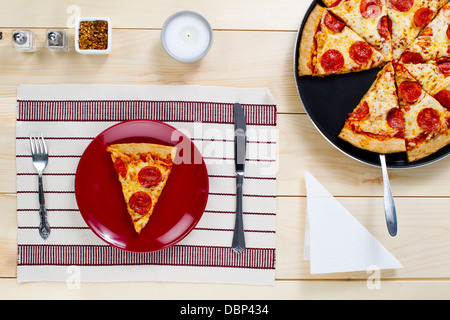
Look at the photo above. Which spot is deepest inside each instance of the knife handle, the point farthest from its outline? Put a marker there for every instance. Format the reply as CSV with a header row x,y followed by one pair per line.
x,y
238,243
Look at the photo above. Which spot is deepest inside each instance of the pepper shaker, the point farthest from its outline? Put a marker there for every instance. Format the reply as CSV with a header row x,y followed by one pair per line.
x,y
24,40
57,40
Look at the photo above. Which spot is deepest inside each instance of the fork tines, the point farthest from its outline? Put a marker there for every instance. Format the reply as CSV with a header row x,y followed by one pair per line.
x,y
37,144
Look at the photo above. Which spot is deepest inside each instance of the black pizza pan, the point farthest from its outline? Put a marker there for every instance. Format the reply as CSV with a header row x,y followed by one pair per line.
x,y
328,101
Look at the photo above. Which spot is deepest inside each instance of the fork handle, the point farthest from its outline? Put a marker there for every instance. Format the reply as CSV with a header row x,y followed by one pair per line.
x,y
44,227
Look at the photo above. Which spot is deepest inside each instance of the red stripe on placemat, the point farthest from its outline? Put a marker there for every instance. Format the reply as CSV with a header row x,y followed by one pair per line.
x,y
97,255
120,110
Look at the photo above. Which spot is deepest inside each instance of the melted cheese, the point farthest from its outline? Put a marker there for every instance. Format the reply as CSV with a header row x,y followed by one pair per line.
x,y
432,42
381,97
349,12
411,112
342,41
429,76
404,29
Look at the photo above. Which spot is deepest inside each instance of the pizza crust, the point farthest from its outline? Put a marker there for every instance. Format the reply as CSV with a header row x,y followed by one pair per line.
x,y
368,143
135,148
428,147
307,45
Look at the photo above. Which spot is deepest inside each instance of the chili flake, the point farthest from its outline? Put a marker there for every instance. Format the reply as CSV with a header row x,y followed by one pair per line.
x,y
93,35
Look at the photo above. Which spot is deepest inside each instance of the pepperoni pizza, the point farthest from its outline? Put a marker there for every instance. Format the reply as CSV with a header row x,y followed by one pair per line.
x,y
407,107
329,46
143,170
376,124
433,42
368,18
427,122
408,18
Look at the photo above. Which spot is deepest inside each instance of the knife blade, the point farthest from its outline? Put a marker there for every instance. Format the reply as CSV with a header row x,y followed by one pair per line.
x,y
240,148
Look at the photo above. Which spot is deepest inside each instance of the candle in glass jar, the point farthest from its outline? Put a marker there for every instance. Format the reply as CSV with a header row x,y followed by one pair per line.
x,y
186,36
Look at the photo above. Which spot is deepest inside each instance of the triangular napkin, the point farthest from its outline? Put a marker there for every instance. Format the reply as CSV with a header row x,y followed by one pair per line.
x,y
334,240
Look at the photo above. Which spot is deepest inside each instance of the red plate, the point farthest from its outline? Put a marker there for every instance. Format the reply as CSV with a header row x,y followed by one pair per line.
x,y
99,192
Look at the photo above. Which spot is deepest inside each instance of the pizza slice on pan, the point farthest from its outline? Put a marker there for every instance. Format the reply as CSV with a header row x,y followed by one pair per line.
x,y
433,42
329,46
368,18
434,77
377,124
143,170
408,18
427,122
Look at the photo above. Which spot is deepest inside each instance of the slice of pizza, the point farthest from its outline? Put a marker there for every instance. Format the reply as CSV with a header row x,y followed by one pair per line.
x,y
427,122
434,77
433,42
368,18
329,46
377,124
143,170
408,18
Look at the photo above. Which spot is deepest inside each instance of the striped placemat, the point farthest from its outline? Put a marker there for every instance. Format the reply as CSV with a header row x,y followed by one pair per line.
x,y
71,116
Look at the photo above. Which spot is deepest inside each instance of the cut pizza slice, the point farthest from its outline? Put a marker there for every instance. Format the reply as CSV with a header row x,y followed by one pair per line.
x,y
328,46
377,124
433,42
408,18
434,77
368,18
427,122
143,170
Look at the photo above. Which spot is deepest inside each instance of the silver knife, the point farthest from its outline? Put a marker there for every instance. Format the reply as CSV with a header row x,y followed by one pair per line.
x,y
240,141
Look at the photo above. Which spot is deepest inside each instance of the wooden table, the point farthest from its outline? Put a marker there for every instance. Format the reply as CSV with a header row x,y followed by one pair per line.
x,y
253,47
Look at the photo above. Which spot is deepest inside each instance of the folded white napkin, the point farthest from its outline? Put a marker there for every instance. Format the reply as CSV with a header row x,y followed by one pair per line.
x,y
334,240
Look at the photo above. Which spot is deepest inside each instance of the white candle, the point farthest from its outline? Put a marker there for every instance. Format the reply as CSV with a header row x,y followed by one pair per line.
x,y
186,36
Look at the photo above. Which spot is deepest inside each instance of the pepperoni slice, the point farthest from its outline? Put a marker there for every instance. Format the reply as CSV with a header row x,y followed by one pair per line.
x,y
120,167
384,27
361,112
370,8
410,91
395,118
428,119
360,52
444,66
444,98
149,176
448,31
411,57
332,61
402,5
141,202
333,23
423,16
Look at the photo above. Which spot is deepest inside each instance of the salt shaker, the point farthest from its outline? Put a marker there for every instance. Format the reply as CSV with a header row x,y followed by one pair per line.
x,y
24,40
57,40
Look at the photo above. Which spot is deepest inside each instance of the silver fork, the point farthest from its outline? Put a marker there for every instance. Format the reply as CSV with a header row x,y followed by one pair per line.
x,y
39,154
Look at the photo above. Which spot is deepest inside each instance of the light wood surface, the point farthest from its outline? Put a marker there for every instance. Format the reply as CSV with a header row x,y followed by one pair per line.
x,y
253,47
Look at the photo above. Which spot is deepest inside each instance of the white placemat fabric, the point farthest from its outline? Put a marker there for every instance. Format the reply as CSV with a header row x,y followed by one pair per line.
x,y
70,116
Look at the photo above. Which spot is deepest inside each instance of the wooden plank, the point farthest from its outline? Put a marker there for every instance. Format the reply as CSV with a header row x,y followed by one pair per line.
x,y
301,148
236,59
8,235
282,290
232,14
422,244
